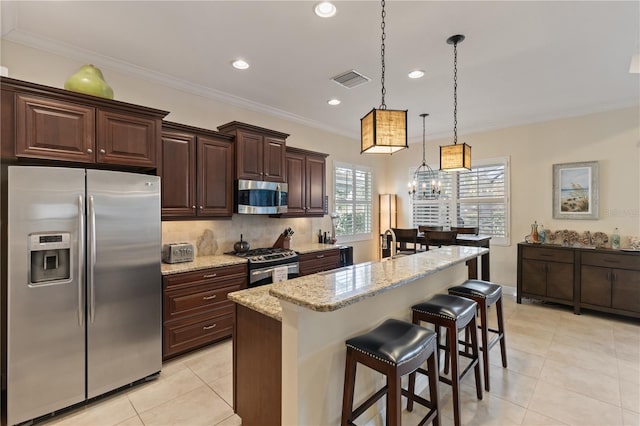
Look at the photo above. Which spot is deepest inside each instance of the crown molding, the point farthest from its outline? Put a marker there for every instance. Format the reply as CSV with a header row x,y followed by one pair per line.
x,y
86,56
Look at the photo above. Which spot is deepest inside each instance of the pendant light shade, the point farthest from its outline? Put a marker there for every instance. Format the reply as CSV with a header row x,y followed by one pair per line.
x,y
456,157
382,130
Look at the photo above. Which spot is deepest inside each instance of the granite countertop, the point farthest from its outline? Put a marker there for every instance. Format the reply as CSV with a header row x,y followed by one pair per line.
x,y
201,262
333,290
258,299
313,247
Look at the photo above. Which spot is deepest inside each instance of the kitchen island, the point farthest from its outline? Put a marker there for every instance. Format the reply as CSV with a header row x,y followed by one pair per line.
x,y
295,331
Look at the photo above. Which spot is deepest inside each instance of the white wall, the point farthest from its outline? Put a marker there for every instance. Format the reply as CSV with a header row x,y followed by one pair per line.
x,y
612,138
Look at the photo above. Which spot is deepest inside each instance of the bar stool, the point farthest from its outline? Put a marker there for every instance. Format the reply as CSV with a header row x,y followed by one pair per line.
x,y
454,314
394,348
485,294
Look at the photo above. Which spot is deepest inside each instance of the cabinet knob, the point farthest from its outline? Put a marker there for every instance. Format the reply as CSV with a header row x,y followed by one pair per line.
x,y
89,150
266,174
193,207
200,207
102,151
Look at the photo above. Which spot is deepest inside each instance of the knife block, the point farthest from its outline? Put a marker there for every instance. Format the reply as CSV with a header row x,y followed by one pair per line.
x,y
282,242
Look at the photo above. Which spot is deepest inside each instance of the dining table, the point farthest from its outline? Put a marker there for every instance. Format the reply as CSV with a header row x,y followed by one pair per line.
x,y
472,265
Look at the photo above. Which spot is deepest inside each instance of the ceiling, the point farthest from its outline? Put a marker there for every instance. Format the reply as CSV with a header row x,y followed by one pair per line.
x,y
521,62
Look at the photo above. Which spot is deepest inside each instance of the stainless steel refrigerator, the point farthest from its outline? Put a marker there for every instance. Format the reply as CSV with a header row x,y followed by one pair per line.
x,y
84,293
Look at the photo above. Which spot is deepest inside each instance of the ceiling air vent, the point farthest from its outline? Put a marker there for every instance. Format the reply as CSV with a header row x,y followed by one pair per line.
x,y
351,79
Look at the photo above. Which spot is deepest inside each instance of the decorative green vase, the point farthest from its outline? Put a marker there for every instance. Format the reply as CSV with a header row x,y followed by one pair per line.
x,y
89,80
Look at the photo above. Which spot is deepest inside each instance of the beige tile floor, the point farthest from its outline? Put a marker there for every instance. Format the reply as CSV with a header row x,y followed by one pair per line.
x,y
564,369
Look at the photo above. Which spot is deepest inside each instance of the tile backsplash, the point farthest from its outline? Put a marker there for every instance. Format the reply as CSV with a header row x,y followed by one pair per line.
x,y
218,236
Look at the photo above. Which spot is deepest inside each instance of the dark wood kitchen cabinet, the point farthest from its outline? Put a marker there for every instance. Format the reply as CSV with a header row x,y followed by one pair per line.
x,y
260,152
196,171
196,311
318,261
306,179
610,282
54,124
547,273
599,279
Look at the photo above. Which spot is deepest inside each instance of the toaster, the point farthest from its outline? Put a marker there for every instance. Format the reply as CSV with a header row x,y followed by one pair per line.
x,y
177,252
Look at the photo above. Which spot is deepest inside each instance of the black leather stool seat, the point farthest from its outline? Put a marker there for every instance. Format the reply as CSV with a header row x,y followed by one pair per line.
x,y
478,288
393,341
448,307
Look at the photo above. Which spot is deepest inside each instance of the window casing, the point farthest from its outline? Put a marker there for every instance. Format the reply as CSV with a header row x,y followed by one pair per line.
x,y
353,195
479,197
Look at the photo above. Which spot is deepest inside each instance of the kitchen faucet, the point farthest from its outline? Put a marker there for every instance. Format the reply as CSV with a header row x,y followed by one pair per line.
x,y
393,248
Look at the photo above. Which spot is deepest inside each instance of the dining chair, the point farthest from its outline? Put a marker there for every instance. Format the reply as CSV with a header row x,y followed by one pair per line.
x,y
423,228
405,236
440,238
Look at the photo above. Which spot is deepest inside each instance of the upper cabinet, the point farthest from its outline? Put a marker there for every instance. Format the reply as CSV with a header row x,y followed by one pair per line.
x,y
197,172
54,124
306,179
260,152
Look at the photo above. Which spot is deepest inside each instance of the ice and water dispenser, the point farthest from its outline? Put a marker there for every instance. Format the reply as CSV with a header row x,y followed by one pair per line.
x,y
50,258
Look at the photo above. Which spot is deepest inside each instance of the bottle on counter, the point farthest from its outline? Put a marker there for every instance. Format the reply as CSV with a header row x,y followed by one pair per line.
x,y
542,234
320,236
615,239
535,237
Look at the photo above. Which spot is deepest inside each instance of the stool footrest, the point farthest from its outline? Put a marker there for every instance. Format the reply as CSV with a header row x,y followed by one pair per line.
x,y
369,402
433,411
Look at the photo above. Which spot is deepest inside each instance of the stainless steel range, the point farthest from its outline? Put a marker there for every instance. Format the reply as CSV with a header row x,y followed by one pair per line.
x,y
263,262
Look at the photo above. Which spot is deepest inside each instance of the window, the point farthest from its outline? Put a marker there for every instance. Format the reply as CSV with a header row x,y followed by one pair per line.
x,y
352,193
479,197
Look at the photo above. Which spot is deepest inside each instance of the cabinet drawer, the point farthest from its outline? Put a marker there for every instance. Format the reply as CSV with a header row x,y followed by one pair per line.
x,y
185,335
310,263
545,253
194,300
612,260
222,275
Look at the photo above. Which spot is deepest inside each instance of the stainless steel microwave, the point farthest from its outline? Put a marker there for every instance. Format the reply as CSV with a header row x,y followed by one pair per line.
x,y
259,197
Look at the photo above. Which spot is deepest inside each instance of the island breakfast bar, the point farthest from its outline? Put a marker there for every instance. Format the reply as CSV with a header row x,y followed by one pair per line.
x,y
295,331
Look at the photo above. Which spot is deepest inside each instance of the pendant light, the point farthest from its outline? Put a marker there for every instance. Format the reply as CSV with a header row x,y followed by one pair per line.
x,y
455,157
424,176
382,130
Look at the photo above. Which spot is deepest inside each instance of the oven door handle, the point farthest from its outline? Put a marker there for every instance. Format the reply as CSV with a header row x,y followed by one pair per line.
x,y
266,271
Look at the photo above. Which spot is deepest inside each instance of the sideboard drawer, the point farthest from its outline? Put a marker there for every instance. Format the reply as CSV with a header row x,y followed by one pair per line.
x,y
548,253
612,260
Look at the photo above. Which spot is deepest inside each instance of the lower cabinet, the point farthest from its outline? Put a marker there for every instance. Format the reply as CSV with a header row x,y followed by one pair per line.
x,y
546,273
599,279
196,311
610,282
318,261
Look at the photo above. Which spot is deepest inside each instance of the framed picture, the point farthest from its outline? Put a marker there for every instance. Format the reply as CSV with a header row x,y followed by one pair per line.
x,y
575,190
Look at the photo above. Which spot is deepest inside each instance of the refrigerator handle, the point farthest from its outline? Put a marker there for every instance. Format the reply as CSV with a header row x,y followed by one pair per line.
x,y
92,258
81,240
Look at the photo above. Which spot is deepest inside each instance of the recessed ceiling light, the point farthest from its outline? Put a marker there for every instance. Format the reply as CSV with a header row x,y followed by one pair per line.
x,y
325,9
333,102
416,74
240,64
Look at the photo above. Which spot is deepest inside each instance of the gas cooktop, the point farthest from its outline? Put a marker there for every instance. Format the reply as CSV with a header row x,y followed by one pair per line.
x,y
267,255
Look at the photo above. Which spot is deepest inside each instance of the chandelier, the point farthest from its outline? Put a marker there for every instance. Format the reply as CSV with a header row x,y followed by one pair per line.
x,y
455,157
382,130
424,185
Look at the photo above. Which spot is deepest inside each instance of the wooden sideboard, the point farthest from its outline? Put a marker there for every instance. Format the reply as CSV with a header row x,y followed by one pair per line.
x,y
600,279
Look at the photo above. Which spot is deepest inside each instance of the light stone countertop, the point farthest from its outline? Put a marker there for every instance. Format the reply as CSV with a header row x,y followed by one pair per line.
x,y
333,290
258,299
201,262
303,248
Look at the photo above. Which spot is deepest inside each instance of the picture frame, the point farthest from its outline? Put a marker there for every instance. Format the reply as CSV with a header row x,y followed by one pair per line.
x,y
575,190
